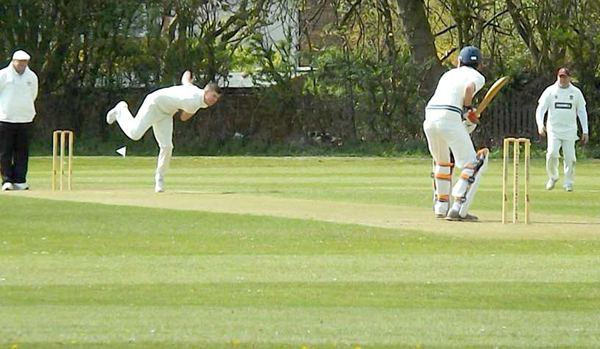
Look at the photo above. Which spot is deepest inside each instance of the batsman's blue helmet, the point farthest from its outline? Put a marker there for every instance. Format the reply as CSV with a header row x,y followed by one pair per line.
x,y
470,55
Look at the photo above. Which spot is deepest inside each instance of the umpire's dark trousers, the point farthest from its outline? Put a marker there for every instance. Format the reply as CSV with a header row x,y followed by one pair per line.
x,y
14,151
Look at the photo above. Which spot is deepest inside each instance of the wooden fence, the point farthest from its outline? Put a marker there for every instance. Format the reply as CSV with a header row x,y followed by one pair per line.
x,y
509,115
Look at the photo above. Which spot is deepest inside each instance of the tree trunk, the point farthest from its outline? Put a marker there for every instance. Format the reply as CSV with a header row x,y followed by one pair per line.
x,y
421,42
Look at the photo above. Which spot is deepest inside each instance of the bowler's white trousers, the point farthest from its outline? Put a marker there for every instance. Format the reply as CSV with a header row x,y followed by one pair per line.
x,y
569,159
149,115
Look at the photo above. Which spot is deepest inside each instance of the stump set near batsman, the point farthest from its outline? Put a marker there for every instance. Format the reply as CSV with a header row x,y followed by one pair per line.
x,y
516,145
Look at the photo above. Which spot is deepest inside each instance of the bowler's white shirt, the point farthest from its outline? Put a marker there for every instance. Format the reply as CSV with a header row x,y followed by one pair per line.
x,y
450,90
563,106
17,94
188,98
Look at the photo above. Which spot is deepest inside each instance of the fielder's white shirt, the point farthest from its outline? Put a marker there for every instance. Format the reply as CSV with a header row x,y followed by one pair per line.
x,y
563,105
450,91
169,100
17,94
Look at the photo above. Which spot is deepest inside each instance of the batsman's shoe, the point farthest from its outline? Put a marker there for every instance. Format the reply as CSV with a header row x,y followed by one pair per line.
x,y
440,216
551,183
7,186
453,215
568,188
20,186
111,116
160,183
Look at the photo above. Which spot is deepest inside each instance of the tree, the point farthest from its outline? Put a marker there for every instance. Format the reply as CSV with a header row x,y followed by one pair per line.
x,y
421,42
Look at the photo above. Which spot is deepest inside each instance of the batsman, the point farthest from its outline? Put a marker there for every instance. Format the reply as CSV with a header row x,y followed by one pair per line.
x,y
449,120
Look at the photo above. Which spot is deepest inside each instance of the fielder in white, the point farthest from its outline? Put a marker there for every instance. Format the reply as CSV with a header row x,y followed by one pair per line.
x,y
564,103
157,111
449,119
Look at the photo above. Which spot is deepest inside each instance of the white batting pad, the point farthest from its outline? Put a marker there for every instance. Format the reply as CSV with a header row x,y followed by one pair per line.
x,y
442,181
465,189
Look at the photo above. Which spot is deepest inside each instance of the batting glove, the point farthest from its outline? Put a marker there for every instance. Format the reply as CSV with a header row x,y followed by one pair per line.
x,y
469,125
470,114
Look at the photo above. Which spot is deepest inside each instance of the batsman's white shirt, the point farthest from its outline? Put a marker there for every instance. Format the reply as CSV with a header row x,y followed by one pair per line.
x,y
443,117
564,105
450,91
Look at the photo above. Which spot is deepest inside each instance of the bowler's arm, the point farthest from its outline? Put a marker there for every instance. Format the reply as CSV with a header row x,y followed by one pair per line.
x,y
187,79
185,116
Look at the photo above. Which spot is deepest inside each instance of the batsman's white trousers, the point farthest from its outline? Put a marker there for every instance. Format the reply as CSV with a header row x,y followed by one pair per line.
x,y
445,131
569,159
162,125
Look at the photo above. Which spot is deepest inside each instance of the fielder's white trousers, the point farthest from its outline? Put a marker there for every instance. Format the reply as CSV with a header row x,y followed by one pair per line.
x,y
569,159
162,125
445,132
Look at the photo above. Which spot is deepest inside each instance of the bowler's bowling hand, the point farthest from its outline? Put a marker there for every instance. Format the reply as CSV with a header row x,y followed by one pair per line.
x,y
187,78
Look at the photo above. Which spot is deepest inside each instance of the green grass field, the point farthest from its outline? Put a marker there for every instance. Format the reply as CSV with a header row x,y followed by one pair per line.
x,y
246,252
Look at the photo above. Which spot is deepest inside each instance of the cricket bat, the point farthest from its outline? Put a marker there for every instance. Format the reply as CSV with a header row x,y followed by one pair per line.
x,y
491,93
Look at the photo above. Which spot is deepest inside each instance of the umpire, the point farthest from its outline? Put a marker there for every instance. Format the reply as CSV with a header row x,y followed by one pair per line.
x,y
18,91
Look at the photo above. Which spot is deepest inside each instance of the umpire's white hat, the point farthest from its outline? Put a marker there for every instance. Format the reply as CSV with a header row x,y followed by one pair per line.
x,y
21,55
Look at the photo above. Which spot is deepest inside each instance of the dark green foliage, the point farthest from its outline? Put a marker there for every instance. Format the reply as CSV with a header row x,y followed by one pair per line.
x,y
367,81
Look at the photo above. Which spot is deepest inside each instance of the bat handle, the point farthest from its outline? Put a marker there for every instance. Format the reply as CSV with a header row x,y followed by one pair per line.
x,y
473,116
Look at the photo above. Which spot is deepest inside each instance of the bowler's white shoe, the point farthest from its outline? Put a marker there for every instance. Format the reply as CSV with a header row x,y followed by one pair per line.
x,y
20,186
7,186
568,188
551,183
111,116
160,183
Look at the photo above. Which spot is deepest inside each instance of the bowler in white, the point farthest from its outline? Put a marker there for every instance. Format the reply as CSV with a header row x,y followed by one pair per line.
x,y
157,111
564,104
